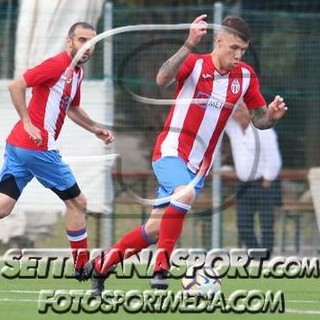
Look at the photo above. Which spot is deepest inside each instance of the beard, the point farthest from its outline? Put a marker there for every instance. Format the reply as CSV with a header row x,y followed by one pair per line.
x,y
84,58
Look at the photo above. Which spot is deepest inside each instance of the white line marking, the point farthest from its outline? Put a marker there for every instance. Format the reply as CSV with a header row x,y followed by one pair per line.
x,y
20,300
304,301
302,311
20,291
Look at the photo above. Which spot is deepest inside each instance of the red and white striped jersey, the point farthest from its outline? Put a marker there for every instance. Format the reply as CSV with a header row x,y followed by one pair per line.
x,y
193,129
53,92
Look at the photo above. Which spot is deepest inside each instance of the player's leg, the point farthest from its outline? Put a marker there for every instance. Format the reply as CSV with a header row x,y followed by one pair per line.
x,y
169,233
129,244
13,178
7,202
171,227
142,236
75,217
53,173
173,176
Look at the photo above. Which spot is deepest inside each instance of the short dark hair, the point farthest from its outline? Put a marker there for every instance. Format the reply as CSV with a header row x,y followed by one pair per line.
x,y
237,26
82,24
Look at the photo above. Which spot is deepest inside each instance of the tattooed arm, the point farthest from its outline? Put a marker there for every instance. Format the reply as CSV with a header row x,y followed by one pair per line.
x,y
260,118
266,117
169,69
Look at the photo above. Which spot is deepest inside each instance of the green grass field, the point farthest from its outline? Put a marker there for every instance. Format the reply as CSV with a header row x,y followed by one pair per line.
x,y
19,298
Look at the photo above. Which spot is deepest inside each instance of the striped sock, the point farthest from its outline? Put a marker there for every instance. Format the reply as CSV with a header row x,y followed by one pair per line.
x,y
170,230
79,245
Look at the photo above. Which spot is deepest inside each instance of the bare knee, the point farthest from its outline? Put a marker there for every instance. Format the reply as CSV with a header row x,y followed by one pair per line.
x,y
6,205
185,194
4,213
82,202
77,205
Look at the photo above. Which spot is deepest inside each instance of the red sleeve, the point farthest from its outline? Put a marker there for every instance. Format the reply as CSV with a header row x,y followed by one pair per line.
x,y
186,67
45,73
253,97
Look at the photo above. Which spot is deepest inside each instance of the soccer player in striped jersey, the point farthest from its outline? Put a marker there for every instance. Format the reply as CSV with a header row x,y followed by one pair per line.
x,y
209,88
31,149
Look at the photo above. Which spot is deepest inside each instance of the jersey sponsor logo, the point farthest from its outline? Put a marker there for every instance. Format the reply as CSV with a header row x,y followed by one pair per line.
x,y
235,86
215,103
201,99
65,102
209,101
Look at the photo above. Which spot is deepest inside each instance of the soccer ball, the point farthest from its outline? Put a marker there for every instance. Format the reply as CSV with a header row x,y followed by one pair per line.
x,y
203,282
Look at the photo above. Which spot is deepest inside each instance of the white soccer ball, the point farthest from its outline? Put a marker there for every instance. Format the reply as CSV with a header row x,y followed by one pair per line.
x,y
203,282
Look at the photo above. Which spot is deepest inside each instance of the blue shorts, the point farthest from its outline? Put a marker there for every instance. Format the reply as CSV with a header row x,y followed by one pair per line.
x,y
172,172
47,166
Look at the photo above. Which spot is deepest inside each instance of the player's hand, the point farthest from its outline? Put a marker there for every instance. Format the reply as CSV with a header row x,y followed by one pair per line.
x,y
33,132
105,135
197,30
277,109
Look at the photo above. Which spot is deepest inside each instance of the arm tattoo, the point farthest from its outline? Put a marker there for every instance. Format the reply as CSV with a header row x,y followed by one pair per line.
x,y
170,68
261,119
